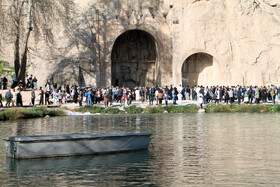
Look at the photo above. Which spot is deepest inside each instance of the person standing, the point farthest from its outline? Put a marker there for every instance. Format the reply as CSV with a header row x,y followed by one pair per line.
x,y
180,96
20,84
187,93
47,98
137,95
30,80
75,96
156,95
200,98
106,98
239,95
166,96
34,82
180,89
41,94
59,96
174,96
8,97
151,97
231,96
272,93
88,95
123,100
257,96
250,94
217,95
15,82
19,99
54,96
110,97
160,97
142,94
47,88
0,83
119,93
81,95
129,97
1,104
14,98
33,97
226,95
147,93
221,93
246,97
99,95
5,82
263,94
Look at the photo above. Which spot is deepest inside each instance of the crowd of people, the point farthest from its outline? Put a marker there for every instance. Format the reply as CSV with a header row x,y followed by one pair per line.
x,y
31,82
159,95
13,96
52,94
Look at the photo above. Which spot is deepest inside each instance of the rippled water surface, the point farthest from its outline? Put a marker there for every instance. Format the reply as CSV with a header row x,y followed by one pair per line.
x,y
185,150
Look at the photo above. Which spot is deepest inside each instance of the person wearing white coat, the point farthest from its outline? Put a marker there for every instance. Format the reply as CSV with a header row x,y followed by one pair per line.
x,y
180,96
217,96
200,99
54,96
137,95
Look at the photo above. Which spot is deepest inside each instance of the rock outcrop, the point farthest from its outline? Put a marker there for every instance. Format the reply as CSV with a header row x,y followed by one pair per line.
x,y
241,40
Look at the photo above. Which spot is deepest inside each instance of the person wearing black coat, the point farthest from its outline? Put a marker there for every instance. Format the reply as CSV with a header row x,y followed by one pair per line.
x,y
239,95
263,95
1,104
33,97
19,99
5,82
41,96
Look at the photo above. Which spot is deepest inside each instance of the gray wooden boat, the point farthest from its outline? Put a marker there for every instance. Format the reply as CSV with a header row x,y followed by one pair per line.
x,y
21,147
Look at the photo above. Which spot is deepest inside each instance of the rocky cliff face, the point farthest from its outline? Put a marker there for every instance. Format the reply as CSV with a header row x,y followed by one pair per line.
x,y
207,42
242,37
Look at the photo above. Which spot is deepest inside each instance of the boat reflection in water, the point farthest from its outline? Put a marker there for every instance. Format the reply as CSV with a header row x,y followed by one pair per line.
x,y
77,162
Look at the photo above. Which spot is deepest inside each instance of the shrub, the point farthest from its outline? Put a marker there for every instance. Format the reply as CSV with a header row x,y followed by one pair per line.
x,y
239,108
20,113
153,110
133,110
92,109
274,108
182,109
113,111
6,70
258,108
99,109
217,108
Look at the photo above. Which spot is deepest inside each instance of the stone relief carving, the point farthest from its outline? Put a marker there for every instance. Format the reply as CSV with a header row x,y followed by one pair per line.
x,y
132,56
134,47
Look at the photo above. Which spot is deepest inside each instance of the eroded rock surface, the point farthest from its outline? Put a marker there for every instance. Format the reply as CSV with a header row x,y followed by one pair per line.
x,y
242,39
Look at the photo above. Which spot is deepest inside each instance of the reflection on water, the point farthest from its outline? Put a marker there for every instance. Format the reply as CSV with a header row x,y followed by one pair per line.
x,y
185,150
76,162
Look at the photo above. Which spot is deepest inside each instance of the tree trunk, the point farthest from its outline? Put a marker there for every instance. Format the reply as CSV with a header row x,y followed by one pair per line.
x,y
16,53
16,19
22,69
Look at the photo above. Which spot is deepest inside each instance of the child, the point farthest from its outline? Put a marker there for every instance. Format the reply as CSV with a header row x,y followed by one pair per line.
x,y
124,100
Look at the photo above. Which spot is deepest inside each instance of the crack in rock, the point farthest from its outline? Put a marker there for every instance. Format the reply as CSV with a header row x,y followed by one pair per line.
x,y
256,61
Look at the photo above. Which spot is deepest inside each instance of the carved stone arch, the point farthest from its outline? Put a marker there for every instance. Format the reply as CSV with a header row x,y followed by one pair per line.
x,y
200,68
135,59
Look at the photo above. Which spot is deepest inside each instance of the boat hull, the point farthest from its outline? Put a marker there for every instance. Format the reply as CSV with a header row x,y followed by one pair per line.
x,y
70,145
